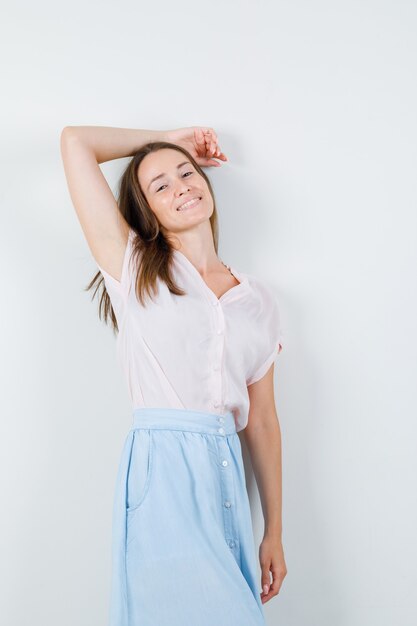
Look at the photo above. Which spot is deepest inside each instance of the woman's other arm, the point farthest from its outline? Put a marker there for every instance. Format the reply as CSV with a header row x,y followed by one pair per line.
x,y
262,436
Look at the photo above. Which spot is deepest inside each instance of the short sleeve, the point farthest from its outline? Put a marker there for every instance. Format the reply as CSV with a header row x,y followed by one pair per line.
x,y
271,337
120,288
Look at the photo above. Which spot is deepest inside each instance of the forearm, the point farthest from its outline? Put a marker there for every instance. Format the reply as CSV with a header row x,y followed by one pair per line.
x,y
264,446
108,143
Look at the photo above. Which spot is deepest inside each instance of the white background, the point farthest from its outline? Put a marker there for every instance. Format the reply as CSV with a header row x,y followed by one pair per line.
x,y
315,105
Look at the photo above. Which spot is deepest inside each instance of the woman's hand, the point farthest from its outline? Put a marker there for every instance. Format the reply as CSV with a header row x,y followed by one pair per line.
x,y
200,141
271,557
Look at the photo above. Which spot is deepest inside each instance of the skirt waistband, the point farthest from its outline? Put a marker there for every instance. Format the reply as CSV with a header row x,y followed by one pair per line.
x,y
184,419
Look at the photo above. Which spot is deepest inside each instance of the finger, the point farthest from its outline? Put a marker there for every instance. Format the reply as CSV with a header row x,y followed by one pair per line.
x,y
208,140
215,148
220,155
274,586
267,596
212,133
211,141
265,578
207,162
200,141
210,145
199,136
278,574
215,145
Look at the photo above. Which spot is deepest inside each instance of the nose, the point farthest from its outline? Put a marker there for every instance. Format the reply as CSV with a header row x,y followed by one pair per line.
x,y
182,187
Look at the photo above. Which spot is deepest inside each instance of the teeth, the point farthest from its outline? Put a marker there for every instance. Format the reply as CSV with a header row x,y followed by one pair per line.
x,y
189,203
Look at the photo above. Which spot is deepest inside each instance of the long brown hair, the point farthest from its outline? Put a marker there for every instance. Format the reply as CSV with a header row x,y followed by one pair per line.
x,y
151,249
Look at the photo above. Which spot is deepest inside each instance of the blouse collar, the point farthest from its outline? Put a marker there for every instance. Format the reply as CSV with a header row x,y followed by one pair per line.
x,y
240,276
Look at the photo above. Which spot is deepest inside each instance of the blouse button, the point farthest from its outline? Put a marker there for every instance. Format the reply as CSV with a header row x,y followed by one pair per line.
x,y
219,331
216,367
215,303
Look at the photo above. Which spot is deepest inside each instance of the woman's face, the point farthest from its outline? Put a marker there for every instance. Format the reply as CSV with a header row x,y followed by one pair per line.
x,y
168,181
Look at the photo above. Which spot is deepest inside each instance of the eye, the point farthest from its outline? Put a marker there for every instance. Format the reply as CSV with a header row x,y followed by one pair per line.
x,y
185,174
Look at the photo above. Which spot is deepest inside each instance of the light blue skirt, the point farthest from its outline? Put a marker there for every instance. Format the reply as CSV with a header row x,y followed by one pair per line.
x,y
183,550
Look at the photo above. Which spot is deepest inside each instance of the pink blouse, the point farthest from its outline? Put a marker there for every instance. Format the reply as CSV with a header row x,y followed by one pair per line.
x,y
195,351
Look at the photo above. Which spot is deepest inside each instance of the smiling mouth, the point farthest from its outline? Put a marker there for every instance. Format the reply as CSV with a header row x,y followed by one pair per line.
x,y
190,204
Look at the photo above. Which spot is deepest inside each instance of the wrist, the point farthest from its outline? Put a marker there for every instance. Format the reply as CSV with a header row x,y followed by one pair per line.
x,y
160,135
273,530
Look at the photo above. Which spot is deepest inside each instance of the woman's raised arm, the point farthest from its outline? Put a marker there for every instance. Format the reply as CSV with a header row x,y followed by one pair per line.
x,y
82,149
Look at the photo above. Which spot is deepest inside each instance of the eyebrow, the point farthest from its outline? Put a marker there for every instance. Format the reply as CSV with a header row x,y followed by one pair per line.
x,y
160,175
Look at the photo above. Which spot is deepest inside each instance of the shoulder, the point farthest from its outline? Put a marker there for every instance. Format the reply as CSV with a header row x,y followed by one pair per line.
x,y
264,302
261,288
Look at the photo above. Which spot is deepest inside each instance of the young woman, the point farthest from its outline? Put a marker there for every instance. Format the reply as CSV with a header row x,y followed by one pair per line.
x,y
197,340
